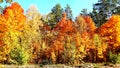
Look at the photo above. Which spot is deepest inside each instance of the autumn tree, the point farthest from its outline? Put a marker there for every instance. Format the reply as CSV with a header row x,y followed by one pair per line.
x,y
12,39
69,52
32,34
100,50
4,49
110,31
65,24
85,24
62,29
80,24
83,38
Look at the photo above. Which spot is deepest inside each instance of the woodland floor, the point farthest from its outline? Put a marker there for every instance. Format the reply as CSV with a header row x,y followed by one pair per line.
x,y
86,65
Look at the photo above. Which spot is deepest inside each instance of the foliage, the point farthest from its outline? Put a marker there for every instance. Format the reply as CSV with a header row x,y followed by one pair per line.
x,y
110,30
19,55
4,49
84,12
65,25
116,10
103,10
6,3
4,53
55,15
114,58
81,25
32,33
69,51
85,32
98,43
85,24
68,12
11,39
58,42
55,38
80,48
90,24
101,47
57,11
13,15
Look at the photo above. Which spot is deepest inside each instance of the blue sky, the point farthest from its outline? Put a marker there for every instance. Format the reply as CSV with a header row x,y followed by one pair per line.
x,y
45,6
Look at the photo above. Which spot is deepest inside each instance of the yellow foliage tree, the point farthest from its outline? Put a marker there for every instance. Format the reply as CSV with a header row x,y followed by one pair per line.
x,y
12,24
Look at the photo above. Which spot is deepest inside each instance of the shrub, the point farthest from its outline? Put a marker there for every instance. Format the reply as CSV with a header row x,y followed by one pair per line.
x,y
114,58
19,55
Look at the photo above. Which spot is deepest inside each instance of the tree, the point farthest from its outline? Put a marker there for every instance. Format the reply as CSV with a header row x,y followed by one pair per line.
x,y
7,1
103,10
84,12
32,34
81,25
65,25
62,30
57,11
116,10
85,24
68,12
15,20
69,51
95,17
54,16
111,31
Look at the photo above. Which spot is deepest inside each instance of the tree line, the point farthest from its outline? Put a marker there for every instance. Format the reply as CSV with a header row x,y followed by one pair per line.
x,y
56,38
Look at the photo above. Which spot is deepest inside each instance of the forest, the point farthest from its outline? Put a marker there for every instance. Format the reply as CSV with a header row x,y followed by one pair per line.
x,y
28,37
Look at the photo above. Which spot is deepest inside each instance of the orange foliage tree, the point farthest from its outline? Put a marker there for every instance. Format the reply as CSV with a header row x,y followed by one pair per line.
x,y
65,25
62,29
110,31
85,24
14,16
90,24
12,24
88,42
